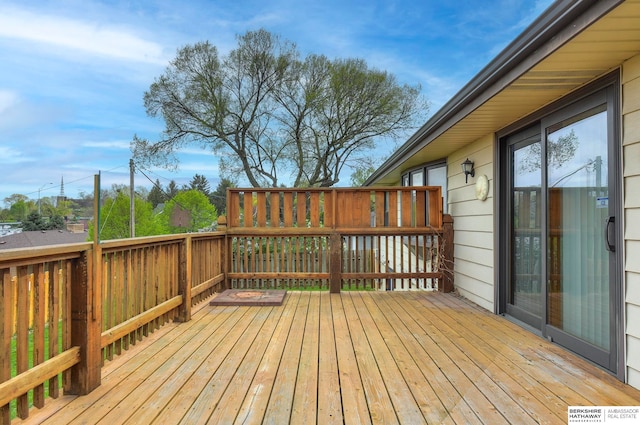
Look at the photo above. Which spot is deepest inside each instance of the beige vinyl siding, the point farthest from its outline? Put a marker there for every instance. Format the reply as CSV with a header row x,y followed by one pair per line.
x,y
633,337
473,224
631,173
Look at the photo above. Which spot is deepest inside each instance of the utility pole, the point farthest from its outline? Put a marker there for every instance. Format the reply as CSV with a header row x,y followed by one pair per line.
x,y
132,210
598,169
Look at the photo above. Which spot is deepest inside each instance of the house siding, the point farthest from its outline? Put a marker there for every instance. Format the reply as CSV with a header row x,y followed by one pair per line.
x,y
631,183
473,224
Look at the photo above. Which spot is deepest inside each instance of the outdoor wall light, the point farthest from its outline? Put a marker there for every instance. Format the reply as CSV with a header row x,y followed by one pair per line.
x,y
467,169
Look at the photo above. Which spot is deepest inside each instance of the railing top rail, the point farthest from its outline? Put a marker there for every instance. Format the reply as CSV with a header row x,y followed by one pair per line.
x,y
326,231
35,254
333,189
154,240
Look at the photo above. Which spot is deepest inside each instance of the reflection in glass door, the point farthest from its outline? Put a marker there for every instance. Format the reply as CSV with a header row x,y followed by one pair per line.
x,y
525,283
578,197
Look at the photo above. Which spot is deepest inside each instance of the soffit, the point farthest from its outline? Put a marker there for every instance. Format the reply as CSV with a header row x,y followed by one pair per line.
x,y
601,47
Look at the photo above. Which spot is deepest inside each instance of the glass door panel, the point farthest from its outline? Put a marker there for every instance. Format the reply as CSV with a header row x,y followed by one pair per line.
x,y
525,292
578,199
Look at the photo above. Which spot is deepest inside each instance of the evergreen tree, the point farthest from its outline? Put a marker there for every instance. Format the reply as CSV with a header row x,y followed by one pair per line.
x,y
200,183
156,195
219,197
56,222
34,221
172,190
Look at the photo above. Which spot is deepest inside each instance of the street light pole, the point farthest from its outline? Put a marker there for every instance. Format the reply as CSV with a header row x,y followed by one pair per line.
x,y
132,200
39,203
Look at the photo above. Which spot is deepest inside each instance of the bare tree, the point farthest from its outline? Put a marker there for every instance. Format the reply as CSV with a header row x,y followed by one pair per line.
x,y
558,152
270,115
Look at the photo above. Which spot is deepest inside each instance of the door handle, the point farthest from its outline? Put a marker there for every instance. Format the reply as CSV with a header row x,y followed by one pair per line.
x,y
610,234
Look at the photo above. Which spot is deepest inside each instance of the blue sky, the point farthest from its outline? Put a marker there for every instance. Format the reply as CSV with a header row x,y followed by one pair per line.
x,y
73,72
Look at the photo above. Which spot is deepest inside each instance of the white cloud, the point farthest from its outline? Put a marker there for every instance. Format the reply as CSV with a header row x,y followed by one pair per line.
x,y
8,155
266,19
19,115
90,37
7,100
113,144
199,167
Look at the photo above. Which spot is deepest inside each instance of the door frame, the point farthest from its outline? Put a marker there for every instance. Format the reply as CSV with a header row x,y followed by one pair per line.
x,y
611,83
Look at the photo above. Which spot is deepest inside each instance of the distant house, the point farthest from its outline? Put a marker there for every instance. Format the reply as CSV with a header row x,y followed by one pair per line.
x,y
547,228
40,238
10,228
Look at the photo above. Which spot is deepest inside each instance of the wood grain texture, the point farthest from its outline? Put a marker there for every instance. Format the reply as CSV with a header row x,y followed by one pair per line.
x,y
350,358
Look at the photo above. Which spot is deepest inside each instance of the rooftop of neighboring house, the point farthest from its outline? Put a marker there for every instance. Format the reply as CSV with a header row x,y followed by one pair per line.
x,y
41,237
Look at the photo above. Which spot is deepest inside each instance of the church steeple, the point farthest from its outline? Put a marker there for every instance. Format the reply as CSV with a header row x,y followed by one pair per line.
x,y
61,198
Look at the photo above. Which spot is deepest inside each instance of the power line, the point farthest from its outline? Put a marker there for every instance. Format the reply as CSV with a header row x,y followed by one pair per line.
x,y
169,198
54,186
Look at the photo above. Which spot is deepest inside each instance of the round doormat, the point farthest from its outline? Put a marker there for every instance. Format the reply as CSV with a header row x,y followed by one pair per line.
x,y
256,297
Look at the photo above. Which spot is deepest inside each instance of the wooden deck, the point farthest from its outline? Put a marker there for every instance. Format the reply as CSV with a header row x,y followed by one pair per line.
x,y
354,357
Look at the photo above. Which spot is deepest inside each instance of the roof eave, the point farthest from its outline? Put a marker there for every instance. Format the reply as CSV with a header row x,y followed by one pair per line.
x,y
554,19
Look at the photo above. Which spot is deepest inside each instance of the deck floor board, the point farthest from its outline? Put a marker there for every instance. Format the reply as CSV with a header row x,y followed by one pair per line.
x,y
329,400
350,358
173,373
256,400
220,368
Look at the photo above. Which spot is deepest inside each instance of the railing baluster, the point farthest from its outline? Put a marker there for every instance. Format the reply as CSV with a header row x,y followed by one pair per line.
x,y
55,275
414,211
38,313
6,334
22,334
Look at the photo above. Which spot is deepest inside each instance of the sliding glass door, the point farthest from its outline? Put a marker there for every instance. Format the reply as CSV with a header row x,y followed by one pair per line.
x,y
578,272
560,233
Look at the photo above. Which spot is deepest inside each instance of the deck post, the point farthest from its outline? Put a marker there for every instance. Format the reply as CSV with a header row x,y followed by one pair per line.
x,y
227,254
335,263
446,244
86,322
184,284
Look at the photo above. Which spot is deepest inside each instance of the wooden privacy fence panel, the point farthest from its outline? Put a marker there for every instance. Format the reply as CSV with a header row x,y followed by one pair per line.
x,y
415,206
346,238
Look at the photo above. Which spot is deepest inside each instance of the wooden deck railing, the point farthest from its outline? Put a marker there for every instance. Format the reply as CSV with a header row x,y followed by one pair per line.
x,y
146,280
36,334
67,308
337,239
